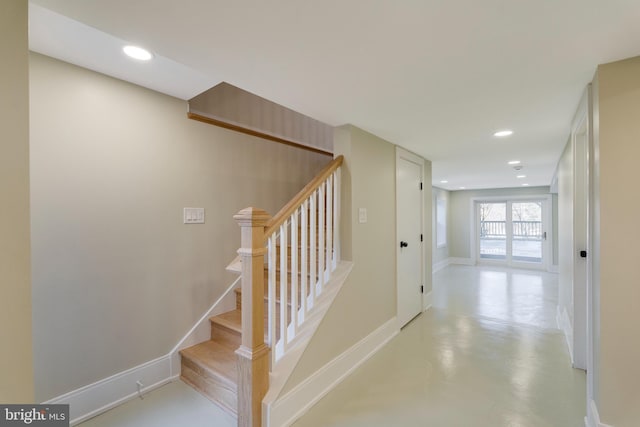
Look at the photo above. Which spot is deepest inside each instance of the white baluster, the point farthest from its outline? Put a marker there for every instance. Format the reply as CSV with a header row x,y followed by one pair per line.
x,y
329,230
294,274
336,218
321,255
284,242
271,297
304,247
313,212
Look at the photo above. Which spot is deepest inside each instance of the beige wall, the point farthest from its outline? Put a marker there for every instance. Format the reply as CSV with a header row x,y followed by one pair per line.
x,y
440,254
16,370
368,297
460,203
565,230
617,136
118,279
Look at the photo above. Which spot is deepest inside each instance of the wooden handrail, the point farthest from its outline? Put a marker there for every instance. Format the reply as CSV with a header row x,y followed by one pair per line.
x,y
293,204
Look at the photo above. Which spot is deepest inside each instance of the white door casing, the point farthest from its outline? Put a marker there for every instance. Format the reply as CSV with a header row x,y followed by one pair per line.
x,y
580,137
409,203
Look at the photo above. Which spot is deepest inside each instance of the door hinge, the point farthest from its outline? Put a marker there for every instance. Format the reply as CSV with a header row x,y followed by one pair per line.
x,y
422,289
421,186
421,237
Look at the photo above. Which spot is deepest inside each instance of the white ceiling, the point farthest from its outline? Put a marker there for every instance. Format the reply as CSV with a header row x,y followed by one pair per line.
x,y
437,77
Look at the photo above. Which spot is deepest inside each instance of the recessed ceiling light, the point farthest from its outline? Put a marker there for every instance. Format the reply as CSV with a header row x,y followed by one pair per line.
x,y
521,176
462,188
514,162
525,185
503,133
136,52
444,181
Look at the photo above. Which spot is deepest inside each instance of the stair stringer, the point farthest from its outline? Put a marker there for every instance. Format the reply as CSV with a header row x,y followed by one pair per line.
x,y
283,369
201,330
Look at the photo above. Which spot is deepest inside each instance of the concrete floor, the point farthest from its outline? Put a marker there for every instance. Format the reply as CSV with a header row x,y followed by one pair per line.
x,y
175,404
486,355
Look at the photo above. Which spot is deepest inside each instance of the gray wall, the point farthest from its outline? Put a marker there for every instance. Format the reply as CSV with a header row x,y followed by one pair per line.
x,y
616,236
368,297
460,204
16,368
118,279
440,254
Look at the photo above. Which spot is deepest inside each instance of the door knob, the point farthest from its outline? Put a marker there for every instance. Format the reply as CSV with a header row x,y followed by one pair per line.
x,y
403,244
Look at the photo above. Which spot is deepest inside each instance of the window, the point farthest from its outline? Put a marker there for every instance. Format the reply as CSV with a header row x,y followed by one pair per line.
x,y
441,222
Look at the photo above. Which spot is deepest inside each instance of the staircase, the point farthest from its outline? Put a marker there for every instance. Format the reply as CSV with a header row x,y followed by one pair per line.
x,y
301,250
211,366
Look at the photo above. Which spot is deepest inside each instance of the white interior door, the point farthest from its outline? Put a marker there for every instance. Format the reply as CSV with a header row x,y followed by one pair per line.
x,y
409,235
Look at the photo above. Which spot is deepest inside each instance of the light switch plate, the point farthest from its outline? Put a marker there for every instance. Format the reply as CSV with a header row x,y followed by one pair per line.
x,y
362,215
193,215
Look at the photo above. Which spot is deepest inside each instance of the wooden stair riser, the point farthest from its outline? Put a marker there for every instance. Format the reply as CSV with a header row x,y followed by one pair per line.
x,y
223,332
211,368
226,397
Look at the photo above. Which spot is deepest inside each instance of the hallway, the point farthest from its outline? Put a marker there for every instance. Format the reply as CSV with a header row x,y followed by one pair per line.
x,y
486,355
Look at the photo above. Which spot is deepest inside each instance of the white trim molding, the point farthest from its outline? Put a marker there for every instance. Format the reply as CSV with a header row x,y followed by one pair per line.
x,y
440,265
564,324
554,268
296,402
461,261
427,301
593,418
96,398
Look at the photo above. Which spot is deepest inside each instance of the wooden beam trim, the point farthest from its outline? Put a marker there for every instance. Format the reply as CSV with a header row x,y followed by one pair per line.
x,y
252,132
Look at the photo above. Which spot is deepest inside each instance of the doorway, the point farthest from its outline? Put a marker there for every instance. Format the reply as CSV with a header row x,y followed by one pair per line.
x,y
580,249
513,232
409,202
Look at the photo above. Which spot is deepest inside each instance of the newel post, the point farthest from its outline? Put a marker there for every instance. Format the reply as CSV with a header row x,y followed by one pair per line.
x,y
253,354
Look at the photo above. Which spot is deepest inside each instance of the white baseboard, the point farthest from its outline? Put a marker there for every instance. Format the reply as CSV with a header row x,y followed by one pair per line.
x,y
93,399
291,406
593,418
553,269
461,261
564,324
427,300
440,265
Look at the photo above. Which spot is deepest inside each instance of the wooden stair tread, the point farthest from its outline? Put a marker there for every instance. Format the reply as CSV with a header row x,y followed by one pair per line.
x,y
231,320
211,359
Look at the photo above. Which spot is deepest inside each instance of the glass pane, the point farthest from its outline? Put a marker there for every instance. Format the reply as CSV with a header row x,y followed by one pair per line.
x,y
493,232
526,219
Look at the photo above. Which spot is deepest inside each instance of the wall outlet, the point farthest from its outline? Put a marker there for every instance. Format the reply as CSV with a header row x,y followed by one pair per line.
x,y
193,215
